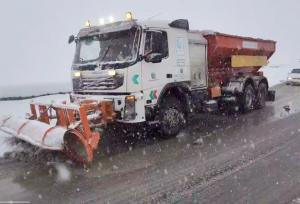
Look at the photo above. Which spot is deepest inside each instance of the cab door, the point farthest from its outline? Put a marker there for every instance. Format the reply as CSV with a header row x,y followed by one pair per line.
x,y
198,64
156,57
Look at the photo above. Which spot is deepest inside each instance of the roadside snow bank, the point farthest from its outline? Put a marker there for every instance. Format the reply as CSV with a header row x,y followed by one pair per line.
x,y
34,89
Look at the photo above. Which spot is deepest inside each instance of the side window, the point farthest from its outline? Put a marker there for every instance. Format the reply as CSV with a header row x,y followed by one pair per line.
x,y
165,46
156,42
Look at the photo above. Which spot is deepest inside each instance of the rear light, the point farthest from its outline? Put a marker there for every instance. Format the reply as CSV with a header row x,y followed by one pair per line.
x,y
129,110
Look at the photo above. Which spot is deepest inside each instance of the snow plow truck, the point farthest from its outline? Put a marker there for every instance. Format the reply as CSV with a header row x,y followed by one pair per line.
x,y
154,72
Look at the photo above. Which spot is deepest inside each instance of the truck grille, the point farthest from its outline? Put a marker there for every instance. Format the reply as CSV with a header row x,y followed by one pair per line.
x,y
101,84
97,80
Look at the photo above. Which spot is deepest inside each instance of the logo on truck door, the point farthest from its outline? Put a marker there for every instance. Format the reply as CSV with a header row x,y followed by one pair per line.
x,y
180,52
153,94
180,46
135,79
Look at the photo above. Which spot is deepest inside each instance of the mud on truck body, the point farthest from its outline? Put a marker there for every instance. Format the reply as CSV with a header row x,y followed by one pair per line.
x,y
155,72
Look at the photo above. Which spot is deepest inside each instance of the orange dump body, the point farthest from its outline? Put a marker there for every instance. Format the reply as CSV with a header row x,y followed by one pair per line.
x,y
221,48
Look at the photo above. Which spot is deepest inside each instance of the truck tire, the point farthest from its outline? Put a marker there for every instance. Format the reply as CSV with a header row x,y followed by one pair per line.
x,y
261,95
247,100
171,117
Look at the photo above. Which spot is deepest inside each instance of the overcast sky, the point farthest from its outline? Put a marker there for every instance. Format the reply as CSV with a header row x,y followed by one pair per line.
x,y
34,33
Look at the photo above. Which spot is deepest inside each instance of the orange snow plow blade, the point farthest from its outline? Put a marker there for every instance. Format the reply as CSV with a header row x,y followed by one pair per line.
x,y
70,128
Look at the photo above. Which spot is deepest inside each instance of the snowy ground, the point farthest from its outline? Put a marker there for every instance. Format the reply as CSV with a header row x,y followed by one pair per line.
x,y
20,108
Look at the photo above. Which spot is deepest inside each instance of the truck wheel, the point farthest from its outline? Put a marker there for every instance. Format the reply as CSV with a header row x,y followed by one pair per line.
x,y
247,101
171,117
261,95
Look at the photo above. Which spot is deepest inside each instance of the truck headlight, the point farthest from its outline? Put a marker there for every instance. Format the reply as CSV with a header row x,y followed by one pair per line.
x,y
289,78
76,74
129,109
128,16
111,72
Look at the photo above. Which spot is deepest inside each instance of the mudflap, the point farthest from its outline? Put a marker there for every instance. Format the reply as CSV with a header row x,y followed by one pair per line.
x,y
271,95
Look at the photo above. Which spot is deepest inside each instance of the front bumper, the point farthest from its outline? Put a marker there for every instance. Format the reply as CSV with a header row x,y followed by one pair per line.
x,y
293,81
119,104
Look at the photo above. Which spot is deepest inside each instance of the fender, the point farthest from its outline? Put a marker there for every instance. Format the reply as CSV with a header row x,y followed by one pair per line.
x,y
261,79
181,91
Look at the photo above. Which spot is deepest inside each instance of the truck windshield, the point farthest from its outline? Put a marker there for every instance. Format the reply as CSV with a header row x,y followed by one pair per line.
x,y
116,47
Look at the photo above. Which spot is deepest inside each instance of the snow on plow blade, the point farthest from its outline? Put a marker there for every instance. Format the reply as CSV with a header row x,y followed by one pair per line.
x,y
34,132
70,128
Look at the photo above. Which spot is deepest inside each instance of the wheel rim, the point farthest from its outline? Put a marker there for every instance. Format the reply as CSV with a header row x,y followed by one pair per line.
x,y
249,98
262,95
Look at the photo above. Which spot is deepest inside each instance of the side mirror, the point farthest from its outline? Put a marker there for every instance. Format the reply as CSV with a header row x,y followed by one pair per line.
x,y
154,57
71,39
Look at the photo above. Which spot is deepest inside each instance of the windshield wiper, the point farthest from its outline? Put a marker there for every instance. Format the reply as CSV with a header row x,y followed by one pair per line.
x,y
106,51
116,65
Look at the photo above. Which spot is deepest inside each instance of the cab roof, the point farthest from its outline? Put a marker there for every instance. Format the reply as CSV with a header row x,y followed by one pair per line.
x,y
126,25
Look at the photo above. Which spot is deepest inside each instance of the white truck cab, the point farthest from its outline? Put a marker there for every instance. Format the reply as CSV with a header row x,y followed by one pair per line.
x,y
138,61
